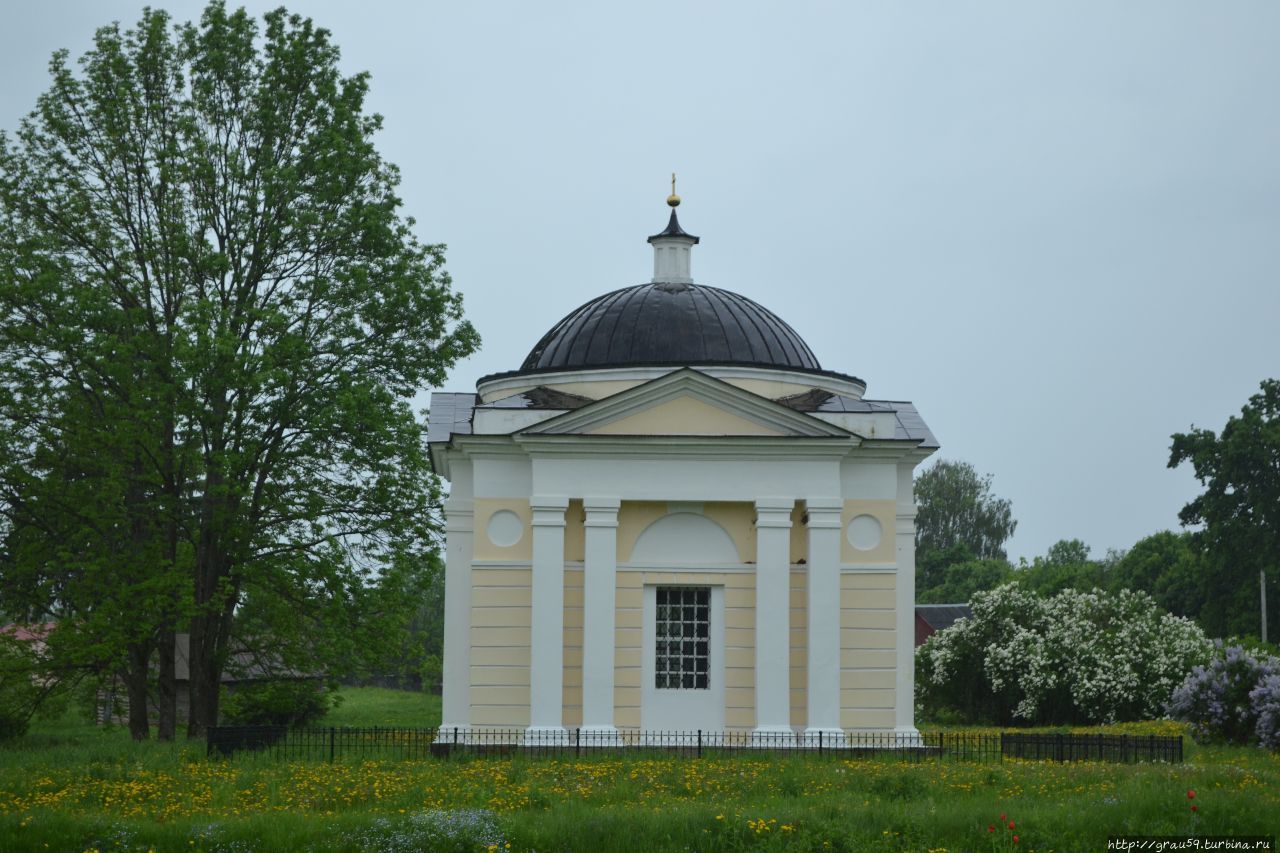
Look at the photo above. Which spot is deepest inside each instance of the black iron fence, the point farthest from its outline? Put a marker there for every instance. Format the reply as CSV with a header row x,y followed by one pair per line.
x,y
1119,749
328,744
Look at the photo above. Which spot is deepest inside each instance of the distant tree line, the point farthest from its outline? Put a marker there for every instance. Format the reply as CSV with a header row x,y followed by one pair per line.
x,y
1209,573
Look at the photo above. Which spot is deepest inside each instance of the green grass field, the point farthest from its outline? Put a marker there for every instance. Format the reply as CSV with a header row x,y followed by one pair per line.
x,y
76,787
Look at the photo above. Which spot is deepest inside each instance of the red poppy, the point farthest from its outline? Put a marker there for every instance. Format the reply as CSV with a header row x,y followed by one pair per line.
x,y
1011,824
1015,839
1003,817
1193,808
1191,795
991,828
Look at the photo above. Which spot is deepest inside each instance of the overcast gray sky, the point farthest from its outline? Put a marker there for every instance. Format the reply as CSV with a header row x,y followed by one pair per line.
x,y
1055,227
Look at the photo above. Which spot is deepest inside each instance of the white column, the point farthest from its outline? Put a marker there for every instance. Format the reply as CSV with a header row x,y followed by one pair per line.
x,y
824,621
904,709
458,527
546,636
773,620
598,608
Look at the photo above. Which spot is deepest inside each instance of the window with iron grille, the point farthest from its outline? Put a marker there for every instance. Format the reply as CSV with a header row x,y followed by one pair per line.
x,y
683,638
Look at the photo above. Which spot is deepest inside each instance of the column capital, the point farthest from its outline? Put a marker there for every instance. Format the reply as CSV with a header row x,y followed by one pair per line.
x,y
774,512
548,511
824,512
601,512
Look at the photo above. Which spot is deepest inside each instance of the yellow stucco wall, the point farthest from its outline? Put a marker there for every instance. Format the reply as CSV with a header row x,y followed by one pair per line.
x,y
738,520
572,709
799,647
883,511
483,547
736,517
575,542
739,641
500,619
633,518
867,649
501,611
684,416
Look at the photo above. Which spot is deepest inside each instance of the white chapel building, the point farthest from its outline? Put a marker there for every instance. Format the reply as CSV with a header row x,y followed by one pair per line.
x,y
671,518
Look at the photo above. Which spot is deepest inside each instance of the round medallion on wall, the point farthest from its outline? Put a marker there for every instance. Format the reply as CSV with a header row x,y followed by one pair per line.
x,y
864,532
505,528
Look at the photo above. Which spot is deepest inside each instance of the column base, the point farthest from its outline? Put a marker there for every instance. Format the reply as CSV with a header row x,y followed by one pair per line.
x,y
546,736
773,737
825,738
596,736
908,736
452,733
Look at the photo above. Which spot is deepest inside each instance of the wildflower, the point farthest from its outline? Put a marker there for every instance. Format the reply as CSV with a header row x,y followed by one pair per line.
x,y
1011,824
991,827
1015,839
1191,795
1193,808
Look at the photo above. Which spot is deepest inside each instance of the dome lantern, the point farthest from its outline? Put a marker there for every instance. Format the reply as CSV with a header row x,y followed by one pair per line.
x,y
672,248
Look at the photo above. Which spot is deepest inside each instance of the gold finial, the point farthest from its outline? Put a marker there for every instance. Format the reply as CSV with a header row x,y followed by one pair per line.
x,y
673,199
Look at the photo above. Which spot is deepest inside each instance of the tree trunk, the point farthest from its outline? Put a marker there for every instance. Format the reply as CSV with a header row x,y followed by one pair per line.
x,y
167,692
203,711
136,678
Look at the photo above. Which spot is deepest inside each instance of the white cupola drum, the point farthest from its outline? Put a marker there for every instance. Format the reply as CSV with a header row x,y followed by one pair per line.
x,y
672,248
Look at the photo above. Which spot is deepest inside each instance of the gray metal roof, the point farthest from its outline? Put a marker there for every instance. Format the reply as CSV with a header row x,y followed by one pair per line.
x,y
673,229
910,426
669,323
540,398
450,414
942,616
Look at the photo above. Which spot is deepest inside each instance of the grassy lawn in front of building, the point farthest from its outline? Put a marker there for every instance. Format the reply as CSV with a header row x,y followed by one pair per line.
x,y
76,787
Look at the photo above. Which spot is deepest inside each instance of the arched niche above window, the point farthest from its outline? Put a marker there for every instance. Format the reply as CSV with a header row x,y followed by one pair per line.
x,y
685,538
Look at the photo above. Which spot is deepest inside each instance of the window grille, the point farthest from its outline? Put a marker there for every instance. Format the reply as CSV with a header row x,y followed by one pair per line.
x,y
683,638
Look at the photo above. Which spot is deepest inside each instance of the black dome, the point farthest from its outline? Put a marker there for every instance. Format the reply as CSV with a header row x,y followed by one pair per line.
x,y
663,323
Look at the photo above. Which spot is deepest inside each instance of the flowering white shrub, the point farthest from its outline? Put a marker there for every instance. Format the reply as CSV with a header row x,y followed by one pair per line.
x,y
1234,698
1075,657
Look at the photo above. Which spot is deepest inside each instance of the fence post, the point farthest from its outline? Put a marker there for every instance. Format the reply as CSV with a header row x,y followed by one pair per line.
x,y
332,734
819,741
699,743
577,742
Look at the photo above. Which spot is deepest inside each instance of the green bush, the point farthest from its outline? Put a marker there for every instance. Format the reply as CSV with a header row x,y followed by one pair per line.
x,y
18,692
13,721
276,703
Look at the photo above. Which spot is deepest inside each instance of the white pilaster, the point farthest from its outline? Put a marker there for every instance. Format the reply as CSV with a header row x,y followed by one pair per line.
x,y
904,710
773,620
456,699
598,608
824,622
546,636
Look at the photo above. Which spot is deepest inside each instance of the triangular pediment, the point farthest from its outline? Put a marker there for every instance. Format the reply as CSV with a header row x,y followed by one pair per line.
x,y
685,403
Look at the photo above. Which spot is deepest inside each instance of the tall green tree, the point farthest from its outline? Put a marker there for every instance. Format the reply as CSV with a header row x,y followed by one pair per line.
x,y
1066,565
199,238
956,509
1169,567
1239,510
